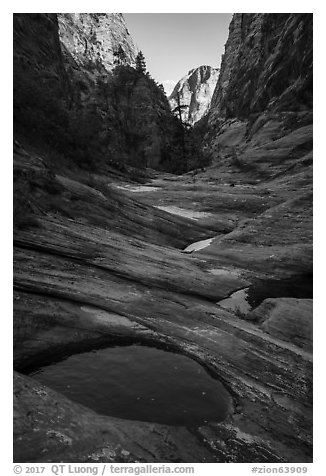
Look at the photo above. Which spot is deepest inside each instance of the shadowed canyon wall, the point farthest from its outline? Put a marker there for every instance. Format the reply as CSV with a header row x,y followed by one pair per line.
x,y
71,95
264,90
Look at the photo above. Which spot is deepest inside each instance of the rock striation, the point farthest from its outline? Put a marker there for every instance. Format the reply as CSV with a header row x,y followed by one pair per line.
x,y
195,90
98,267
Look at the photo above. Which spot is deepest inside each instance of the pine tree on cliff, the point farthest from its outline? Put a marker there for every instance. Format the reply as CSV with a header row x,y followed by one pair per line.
x,y
140,63
120,57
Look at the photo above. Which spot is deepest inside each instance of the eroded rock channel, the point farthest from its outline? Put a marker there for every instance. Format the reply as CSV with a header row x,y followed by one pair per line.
x,y
85,286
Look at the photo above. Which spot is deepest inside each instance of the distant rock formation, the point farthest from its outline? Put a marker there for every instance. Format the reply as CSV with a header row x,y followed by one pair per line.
x,y
195,90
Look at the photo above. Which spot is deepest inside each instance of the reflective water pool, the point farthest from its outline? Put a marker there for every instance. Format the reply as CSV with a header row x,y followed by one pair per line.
x,y
244,300
140,383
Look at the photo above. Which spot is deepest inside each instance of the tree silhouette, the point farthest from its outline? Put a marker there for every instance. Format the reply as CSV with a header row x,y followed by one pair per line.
x,y
140,63
180,107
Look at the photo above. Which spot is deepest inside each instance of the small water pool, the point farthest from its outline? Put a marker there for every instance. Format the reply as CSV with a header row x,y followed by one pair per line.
x,y
198,245
137,188
244,300
140,383
183,212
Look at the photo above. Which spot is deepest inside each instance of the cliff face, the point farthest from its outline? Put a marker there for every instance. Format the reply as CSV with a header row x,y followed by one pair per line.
x,y
137,126
89,40
36,45
264,90
195,90
267,65
70,95
41,84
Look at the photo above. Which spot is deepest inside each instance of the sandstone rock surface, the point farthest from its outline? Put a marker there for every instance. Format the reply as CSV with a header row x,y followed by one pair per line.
x,y
126,268
70,97
286,318
92,38
260,120
255,76
195,90
96,264
56,428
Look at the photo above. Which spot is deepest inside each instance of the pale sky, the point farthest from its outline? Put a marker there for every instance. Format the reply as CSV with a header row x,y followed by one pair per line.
x,y
174,43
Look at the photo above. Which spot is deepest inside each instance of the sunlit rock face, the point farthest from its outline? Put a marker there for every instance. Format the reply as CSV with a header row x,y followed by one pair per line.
x,y
195,90
91,38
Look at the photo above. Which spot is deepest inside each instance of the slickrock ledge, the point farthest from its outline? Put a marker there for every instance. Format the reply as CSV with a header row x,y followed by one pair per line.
x,y
286,318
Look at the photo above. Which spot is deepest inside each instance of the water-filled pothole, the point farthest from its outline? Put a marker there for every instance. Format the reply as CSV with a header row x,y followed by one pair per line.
x,y
244,300
140,383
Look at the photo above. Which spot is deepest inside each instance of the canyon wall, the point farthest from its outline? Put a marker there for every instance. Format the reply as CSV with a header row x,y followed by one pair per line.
x,y
264,90
93,38
267,65
71,94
